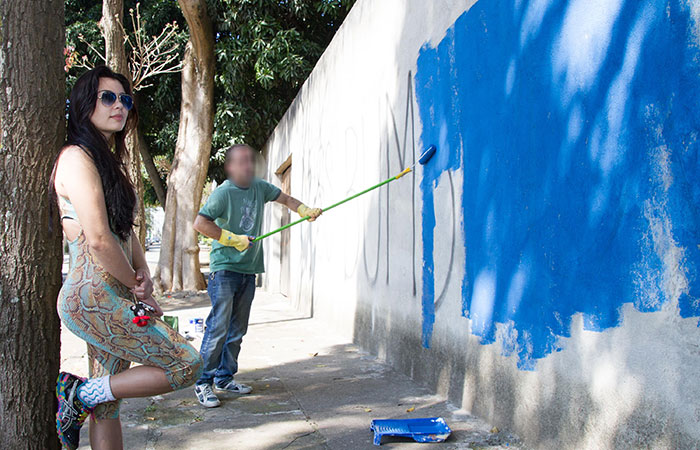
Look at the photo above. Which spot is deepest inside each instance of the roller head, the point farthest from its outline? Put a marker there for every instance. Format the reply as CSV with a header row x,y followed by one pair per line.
x,y
427,154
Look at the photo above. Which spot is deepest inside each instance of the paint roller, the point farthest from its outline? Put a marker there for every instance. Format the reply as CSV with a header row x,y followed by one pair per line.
x,y
422,160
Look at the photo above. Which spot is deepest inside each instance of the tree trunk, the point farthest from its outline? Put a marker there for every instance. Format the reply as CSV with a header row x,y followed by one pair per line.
x,y
178,267
133,168
115,52
112,32
32,129
152,171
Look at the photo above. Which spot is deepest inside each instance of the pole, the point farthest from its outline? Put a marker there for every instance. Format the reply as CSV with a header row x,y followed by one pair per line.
x,y
354,196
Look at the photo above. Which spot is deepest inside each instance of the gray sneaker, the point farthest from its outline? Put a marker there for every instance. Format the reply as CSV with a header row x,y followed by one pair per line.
x,y
206,396
236,388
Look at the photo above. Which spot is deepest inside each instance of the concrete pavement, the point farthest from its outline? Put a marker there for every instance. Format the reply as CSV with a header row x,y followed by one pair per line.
x,y
312,390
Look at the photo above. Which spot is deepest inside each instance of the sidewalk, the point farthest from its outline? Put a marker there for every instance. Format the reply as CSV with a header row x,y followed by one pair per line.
x,y
312,390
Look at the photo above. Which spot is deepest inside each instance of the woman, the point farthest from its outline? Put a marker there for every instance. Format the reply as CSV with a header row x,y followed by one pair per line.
x,y
108,271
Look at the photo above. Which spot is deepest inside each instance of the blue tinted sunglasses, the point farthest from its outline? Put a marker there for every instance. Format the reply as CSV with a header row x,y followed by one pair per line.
x,y
108,98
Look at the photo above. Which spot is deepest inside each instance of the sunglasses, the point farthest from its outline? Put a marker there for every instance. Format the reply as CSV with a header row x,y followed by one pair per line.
x,y
108,98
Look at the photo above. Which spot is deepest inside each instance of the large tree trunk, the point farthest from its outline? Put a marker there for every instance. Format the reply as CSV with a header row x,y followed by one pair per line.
x,y
32,127
115,52
178,267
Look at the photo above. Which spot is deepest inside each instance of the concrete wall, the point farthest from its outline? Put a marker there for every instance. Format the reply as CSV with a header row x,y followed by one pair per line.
x,y
543,269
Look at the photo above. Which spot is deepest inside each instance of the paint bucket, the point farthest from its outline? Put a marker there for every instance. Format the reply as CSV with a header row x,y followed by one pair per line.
x,y
173,321
197,324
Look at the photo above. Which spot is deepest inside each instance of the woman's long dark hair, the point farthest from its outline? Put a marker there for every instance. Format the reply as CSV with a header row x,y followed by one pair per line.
x,y
120,197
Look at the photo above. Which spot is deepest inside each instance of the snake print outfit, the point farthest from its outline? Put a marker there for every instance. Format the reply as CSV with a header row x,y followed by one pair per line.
x,y
96,307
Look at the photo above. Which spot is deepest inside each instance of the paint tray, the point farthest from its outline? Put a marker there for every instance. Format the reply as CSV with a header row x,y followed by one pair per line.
x,y
432,429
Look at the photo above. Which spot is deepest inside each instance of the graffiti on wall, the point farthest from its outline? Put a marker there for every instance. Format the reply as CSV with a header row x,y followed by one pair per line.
x,y
575,126
399,149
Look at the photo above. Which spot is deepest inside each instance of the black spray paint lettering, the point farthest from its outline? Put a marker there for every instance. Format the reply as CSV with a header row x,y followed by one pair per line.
x,y
403,146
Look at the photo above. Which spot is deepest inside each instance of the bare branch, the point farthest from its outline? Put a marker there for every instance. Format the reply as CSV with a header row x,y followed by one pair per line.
x,y
150,56
74,59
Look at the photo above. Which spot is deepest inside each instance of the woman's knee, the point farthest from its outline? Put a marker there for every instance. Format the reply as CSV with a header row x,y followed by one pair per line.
x,y
197,368
108,410
190,372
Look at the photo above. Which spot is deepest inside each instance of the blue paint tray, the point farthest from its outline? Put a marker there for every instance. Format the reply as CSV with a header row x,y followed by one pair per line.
x,y
432,429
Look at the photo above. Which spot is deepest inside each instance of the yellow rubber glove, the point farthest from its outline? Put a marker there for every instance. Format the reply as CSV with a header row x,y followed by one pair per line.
x,y
237,241
305,211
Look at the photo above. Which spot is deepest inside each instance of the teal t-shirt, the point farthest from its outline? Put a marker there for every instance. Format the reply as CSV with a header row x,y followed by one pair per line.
x,y
239,210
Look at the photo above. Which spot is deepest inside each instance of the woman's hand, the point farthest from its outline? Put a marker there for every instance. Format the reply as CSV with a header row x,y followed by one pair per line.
x,y
144,288
150,301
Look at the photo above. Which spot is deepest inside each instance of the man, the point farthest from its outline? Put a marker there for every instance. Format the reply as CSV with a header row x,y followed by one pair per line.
x,y
232,216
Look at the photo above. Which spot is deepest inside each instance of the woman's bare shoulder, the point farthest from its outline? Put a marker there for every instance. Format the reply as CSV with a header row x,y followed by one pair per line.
x,y
73,153
75,158
74,165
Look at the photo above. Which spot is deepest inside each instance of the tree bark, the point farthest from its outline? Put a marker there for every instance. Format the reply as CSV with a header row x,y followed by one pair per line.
x,y
152,170
112,32
32,130
178,267
133,168
115,52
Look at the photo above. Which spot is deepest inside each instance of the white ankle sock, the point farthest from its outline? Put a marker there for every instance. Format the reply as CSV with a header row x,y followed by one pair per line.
x,y
95,391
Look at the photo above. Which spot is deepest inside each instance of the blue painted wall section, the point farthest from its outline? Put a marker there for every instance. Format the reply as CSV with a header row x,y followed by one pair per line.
x,y
575,124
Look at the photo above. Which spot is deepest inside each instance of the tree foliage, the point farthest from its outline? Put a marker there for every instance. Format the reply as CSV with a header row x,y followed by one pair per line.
x,y
265,49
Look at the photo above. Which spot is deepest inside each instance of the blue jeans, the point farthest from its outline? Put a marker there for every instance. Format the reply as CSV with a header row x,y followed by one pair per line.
x,y
231,295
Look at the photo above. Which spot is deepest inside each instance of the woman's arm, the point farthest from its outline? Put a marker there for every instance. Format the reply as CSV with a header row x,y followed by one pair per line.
x,y
144,289
77,178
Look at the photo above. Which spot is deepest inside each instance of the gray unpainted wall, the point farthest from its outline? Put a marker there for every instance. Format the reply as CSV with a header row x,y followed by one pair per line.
x,y
358,267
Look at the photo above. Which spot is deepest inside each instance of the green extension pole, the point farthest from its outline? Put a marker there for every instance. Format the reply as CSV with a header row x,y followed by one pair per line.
x,y
291,224
424,158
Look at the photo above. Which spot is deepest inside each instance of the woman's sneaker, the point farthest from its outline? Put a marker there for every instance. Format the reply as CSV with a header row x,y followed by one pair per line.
x,y
206,396
236,388
71,411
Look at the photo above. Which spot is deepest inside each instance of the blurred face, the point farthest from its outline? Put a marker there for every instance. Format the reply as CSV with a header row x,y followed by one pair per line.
x,y
240,166
110,111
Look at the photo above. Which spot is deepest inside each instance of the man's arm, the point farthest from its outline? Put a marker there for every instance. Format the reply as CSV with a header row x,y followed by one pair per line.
x,y
207,227
288,201
297,206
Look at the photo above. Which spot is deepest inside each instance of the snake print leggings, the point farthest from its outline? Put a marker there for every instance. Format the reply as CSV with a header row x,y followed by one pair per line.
x,y
95,306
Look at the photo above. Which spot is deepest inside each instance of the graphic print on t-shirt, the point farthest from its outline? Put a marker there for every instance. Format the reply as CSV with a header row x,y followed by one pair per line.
x,y
248,214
